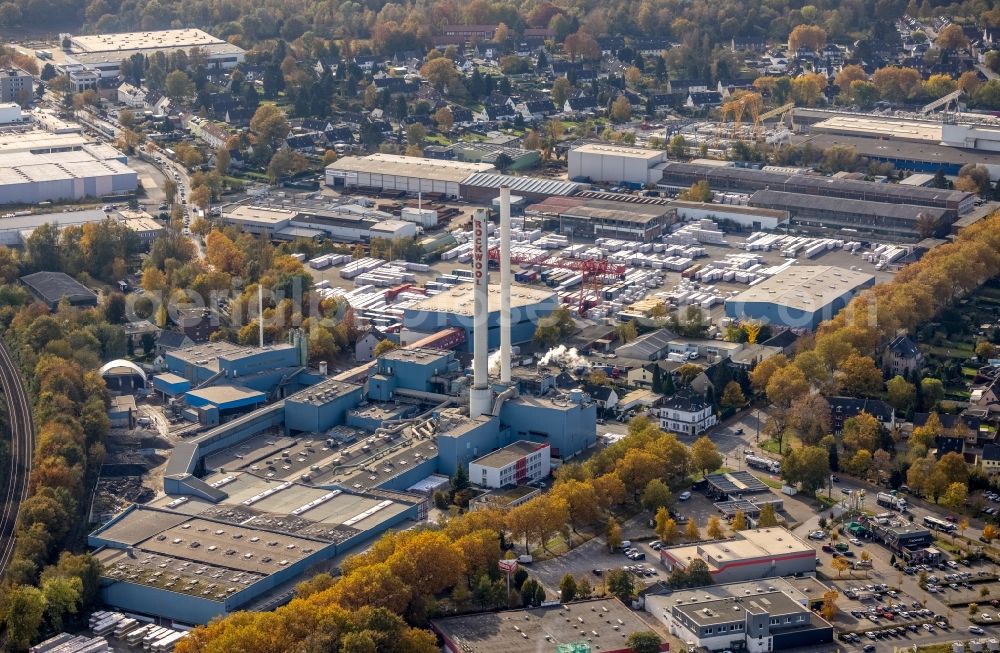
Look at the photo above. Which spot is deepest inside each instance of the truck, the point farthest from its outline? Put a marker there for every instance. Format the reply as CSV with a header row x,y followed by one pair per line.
x,y
765,464
890,500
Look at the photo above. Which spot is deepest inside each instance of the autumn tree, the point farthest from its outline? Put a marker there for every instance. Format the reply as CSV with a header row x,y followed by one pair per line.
x,y
807,89
561,89
441,73
613,534
691,531
809,417
739,521
848,74
705,456
810,37
896,84
951,37
786,385
444,118
858,376
761,373
581,45
767,517
863,431
828,609
666,527
621,109
955,496
656,495
715,529
700,191
269,125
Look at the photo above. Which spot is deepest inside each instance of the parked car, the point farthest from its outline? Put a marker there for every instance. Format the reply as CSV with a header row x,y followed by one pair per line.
x,y
684,496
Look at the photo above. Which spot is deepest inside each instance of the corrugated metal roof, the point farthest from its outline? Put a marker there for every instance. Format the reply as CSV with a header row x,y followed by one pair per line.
x,y
523,184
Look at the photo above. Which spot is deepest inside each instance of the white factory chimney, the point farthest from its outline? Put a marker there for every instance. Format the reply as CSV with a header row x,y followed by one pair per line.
x,y
505,282
480,397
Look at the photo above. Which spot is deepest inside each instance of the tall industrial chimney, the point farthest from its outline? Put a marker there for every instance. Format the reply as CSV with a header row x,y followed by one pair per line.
x,y
480,396
505,281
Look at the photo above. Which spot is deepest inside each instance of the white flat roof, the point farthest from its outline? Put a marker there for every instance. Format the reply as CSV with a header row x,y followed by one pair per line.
x,y
259,214
459,299
871,126
409,166
619,150
36,140
807,288
168,38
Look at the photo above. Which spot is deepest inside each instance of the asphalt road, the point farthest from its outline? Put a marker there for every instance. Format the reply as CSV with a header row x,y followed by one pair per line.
x,y
22,445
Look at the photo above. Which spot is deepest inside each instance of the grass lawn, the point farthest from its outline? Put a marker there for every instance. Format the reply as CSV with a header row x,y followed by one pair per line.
x,y
958,349
769,482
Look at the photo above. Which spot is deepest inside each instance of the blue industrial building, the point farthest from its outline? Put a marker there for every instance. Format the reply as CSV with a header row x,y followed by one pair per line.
x,y
800,297
322,468
453,308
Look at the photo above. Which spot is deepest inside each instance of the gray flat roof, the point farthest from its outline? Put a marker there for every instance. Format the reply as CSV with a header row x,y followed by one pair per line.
x,y
409,166
715,611
807,288
322,392
903,150
540,629
795,201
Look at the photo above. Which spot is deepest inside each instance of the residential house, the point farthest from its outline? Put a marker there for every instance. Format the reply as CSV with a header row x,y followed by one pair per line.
x,y
364,348
239,117
139,329
844,408
131,96
536,109
686,412
583,105
989,460
641,376
610,44
902,356
958,431
785,340
538,35
703,99
461,117
652,45
603,395
171,340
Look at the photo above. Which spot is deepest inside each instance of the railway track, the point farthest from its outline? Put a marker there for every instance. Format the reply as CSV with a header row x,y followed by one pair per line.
x,y
22,445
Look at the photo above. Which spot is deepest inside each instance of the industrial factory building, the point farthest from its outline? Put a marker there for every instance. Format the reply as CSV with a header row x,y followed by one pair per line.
x,y
615,164
585,217
516,464
799,297
454,308
327,464
905,222
747,217
748,555
104,53
345,223
484,187
406,174
33,170
747,180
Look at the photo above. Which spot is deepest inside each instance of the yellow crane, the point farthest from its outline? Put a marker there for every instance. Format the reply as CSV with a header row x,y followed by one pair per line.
x,y
739,106
782,111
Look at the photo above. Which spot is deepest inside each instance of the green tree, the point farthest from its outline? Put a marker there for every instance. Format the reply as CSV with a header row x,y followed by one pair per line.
x,y
619,583
25,607
644,641
567,588
809,466
656,495
62,596
678,146
901,393
932,391
178,86
732,396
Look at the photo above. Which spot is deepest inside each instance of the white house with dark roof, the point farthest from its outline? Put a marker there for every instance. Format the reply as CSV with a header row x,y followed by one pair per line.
x,y
902,356
686,412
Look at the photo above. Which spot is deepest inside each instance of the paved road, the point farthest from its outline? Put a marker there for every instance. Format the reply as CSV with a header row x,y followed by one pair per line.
x,y
22,445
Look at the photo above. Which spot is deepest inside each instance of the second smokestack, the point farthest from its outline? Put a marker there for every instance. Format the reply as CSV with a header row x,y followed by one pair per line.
x,y
505,282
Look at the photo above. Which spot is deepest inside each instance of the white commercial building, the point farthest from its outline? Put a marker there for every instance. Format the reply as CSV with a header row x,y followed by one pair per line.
x,y
104,53
408,174
10,114
615,164
91,171
515,464
748,217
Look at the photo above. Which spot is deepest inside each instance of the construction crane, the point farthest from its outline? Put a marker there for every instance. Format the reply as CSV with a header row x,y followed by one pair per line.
x,y
782,111
738,106
594,272
943,102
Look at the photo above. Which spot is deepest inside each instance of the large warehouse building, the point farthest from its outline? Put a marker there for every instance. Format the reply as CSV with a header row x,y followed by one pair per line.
x,y
104,53
615,163
870,219
41,167
407,174
799,297
349,222
747,180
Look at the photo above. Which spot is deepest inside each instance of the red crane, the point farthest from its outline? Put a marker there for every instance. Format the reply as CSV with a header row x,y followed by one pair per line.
x,y
595,272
